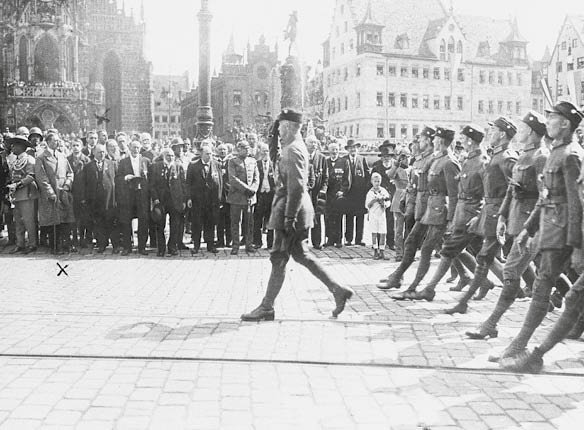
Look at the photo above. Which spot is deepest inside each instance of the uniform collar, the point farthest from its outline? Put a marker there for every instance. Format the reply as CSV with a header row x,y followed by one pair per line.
x,y
441,154
473,154
500,148
531,147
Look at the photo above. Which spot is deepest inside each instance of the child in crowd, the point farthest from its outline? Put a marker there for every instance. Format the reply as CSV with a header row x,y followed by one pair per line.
x,y
377,200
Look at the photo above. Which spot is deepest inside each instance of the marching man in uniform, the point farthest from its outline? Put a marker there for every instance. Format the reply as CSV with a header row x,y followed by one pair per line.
x,y
292,216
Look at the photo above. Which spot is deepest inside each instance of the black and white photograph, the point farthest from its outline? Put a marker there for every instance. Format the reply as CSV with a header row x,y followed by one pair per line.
x,y
291,215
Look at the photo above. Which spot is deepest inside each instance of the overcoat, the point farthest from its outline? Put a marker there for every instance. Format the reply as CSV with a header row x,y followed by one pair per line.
x,y
53,173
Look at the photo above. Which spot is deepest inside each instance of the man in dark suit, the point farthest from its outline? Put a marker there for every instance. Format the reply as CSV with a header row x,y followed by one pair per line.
x,y
133,198
224,221
167,187
356,183
204,190
97,190
318,189
292,216
81,231
334,200
266,189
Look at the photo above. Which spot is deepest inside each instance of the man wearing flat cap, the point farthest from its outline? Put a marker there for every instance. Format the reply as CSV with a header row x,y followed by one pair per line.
x,y
417,235
498,172
355,185
442,199
24,195
522,195
292,216
558,217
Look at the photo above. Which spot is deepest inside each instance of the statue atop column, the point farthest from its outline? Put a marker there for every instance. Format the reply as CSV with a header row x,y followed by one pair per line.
x,y
291,31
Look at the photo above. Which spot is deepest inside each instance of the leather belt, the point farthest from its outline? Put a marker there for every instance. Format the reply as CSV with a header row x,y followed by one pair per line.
x,y
553,200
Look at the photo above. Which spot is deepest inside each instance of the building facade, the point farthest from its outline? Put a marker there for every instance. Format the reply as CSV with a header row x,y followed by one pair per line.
x,y
565,72
240,94
68,63
169,90
390,67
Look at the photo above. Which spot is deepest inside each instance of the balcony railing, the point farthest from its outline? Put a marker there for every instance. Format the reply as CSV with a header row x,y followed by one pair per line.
x,y
64,91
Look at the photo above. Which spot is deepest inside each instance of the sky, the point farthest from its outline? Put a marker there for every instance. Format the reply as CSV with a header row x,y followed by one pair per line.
x,y
172,26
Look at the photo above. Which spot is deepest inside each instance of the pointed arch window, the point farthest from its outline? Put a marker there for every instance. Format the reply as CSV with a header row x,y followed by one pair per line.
x,y
450,47
46,60
443,50
23,59
459,47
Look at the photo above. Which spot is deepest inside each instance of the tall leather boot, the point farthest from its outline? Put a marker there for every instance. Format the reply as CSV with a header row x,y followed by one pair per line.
x,y
394,280
423,268
463,279
265,311
480,275
429,291
506,299
578,328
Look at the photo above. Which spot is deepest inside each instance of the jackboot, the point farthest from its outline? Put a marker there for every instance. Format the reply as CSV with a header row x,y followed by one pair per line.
x,y
259,314
485,330
524,362
578,328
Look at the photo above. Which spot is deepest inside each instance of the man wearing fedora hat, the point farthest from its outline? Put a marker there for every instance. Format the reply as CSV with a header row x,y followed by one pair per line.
x,y
334,200
558,217
522,195
292,216
354,187
24,195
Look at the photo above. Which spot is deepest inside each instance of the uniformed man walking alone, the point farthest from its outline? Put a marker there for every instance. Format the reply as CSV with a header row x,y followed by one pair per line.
x,y
292,216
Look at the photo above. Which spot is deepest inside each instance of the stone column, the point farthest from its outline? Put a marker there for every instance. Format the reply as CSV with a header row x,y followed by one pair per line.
x,y
291,79
204,110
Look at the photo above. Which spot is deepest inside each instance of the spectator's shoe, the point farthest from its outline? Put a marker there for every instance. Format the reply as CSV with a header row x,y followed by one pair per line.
x,y
257,245
259,314
360,243
341,294
182,246
116,250
317,247
460,308
339,245
376,254
234,251
391,246
160,253
381,254
30,249
348,243
100,250
463,281
220,245
483,332
328,243
173,252
524,362
142,252
250,249
194,251
212,250
74,249
125,252
17,250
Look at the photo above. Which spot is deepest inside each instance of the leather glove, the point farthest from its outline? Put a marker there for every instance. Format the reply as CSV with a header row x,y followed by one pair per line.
x,y
289,227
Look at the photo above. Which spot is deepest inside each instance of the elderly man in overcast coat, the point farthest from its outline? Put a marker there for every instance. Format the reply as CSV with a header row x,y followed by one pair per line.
x,y
292,216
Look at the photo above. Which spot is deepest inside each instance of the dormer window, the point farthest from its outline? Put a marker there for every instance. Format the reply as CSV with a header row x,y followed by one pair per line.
x,y
402,41
484,49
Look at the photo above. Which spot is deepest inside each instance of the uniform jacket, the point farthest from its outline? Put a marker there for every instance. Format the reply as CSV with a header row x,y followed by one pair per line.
x,y
356,183
243,176
412,187
558,212
523,190
319,165
205,191
53,173
442,190
126,189
167,184
77,164
291,199
421,171
470,189
495,183
25,175
98,195
400,179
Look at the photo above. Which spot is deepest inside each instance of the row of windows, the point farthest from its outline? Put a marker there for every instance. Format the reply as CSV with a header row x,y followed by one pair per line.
x,y
164,119
501,107
404,71
402,100
489,77
570,66
259,98
353,131
569,44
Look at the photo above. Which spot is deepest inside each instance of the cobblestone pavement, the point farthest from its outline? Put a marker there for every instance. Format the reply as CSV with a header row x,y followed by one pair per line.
x,y
146,342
